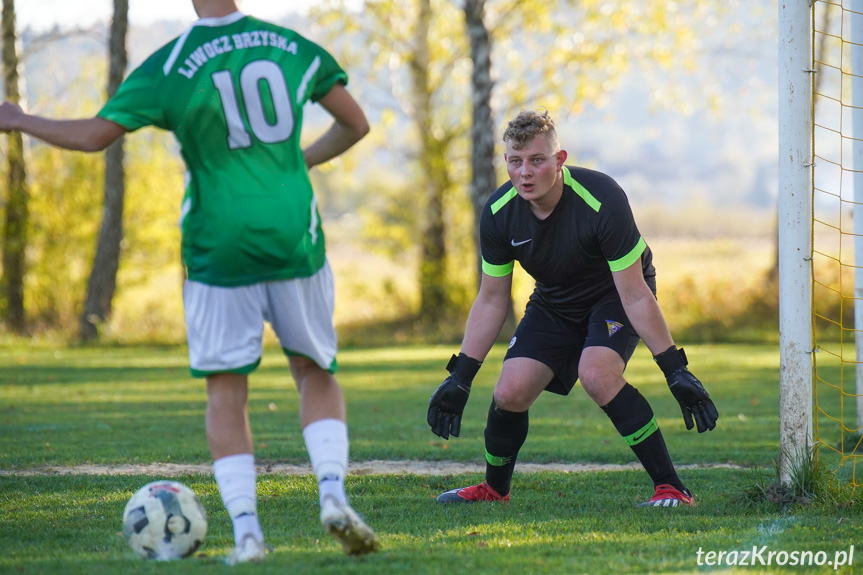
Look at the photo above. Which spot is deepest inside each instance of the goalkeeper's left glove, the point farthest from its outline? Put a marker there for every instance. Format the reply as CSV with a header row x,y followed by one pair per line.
x,y
687,390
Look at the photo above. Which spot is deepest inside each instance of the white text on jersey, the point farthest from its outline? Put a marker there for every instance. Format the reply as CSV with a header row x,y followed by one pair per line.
x,y
208,50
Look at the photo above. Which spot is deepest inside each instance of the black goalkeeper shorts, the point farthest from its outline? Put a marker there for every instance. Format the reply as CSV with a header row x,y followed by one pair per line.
x,y
557,342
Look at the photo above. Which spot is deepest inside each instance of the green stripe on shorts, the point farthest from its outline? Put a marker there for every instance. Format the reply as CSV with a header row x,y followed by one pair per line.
x,y
332,368
244,370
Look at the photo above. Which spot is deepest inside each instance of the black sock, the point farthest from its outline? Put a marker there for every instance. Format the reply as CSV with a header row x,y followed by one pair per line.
x,y
633,418
505,433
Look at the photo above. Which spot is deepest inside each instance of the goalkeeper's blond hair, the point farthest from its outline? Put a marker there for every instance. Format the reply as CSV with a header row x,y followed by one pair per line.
x,y
527,125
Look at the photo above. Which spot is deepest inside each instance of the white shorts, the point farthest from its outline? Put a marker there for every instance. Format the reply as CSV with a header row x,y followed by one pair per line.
x,y
225,325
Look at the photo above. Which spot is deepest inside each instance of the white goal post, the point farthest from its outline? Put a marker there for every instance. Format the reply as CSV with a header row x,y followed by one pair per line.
x,y
795,245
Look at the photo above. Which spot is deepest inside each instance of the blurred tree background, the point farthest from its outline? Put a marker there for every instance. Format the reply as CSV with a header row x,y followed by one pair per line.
x,y
401,208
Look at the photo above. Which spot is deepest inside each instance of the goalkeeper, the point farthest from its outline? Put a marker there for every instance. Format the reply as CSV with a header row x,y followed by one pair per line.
x,y
573,231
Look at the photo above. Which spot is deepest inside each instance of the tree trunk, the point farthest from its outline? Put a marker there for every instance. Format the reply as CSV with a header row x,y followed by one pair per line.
x,y
103,277
17,198
483,179
432,272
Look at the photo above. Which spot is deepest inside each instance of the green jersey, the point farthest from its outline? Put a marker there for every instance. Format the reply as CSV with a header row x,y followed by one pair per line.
x,y
232,90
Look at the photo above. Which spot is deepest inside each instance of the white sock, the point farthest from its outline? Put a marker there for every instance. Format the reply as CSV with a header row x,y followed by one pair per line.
x,y
327,444
235,476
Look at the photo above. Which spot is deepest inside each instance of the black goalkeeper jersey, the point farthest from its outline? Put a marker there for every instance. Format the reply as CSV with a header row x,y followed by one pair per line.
x,y
572,252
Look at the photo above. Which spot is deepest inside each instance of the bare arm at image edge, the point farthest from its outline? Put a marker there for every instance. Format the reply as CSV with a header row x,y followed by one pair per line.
x,y
85,135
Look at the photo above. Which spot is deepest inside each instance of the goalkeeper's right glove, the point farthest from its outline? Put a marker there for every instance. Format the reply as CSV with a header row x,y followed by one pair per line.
x,y
447,402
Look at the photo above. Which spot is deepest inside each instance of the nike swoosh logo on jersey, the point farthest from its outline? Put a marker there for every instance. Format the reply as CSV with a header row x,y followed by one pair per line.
x,y
515,243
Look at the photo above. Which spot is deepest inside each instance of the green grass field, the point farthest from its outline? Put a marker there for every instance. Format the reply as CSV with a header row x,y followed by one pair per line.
x,y
112,406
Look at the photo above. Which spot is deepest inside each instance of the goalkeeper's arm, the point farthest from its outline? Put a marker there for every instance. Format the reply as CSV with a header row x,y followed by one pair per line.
x,y
646,317
487,315
642,308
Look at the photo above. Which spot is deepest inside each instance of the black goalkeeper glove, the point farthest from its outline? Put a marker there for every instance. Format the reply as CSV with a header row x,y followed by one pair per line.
x,y
687,390
447,402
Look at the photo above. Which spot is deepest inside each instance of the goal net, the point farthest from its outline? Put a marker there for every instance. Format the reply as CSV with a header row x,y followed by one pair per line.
x,y
837,233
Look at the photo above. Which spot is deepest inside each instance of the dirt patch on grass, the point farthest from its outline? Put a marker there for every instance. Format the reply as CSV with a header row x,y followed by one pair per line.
x,y
373,467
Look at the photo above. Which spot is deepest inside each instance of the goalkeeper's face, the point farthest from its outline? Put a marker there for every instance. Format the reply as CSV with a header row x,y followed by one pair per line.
x,y
534,168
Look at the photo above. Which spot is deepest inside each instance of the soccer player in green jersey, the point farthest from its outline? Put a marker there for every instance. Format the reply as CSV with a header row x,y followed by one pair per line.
x,y
573,231
232,89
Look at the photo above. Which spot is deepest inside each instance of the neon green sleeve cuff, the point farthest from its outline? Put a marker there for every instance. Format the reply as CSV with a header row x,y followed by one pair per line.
x,y
497,271
630,258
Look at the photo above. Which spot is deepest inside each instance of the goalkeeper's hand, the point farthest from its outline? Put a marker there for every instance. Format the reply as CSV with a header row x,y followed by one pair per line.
x,y
447,402
687,390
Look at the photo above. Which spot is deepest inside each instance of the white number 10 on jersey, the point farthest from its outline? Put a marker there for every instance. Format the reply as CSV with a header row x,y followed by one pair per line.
x,y
250,77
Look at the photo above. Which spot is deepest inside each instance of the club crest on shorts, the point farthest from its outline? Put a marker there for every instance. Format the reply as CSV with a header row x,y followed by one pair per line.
x,y
511,342
613,327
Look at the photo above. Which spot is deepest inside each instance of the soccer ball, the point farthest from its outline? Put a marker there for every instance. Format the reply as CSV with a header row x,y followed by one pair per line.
x,y
164,520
